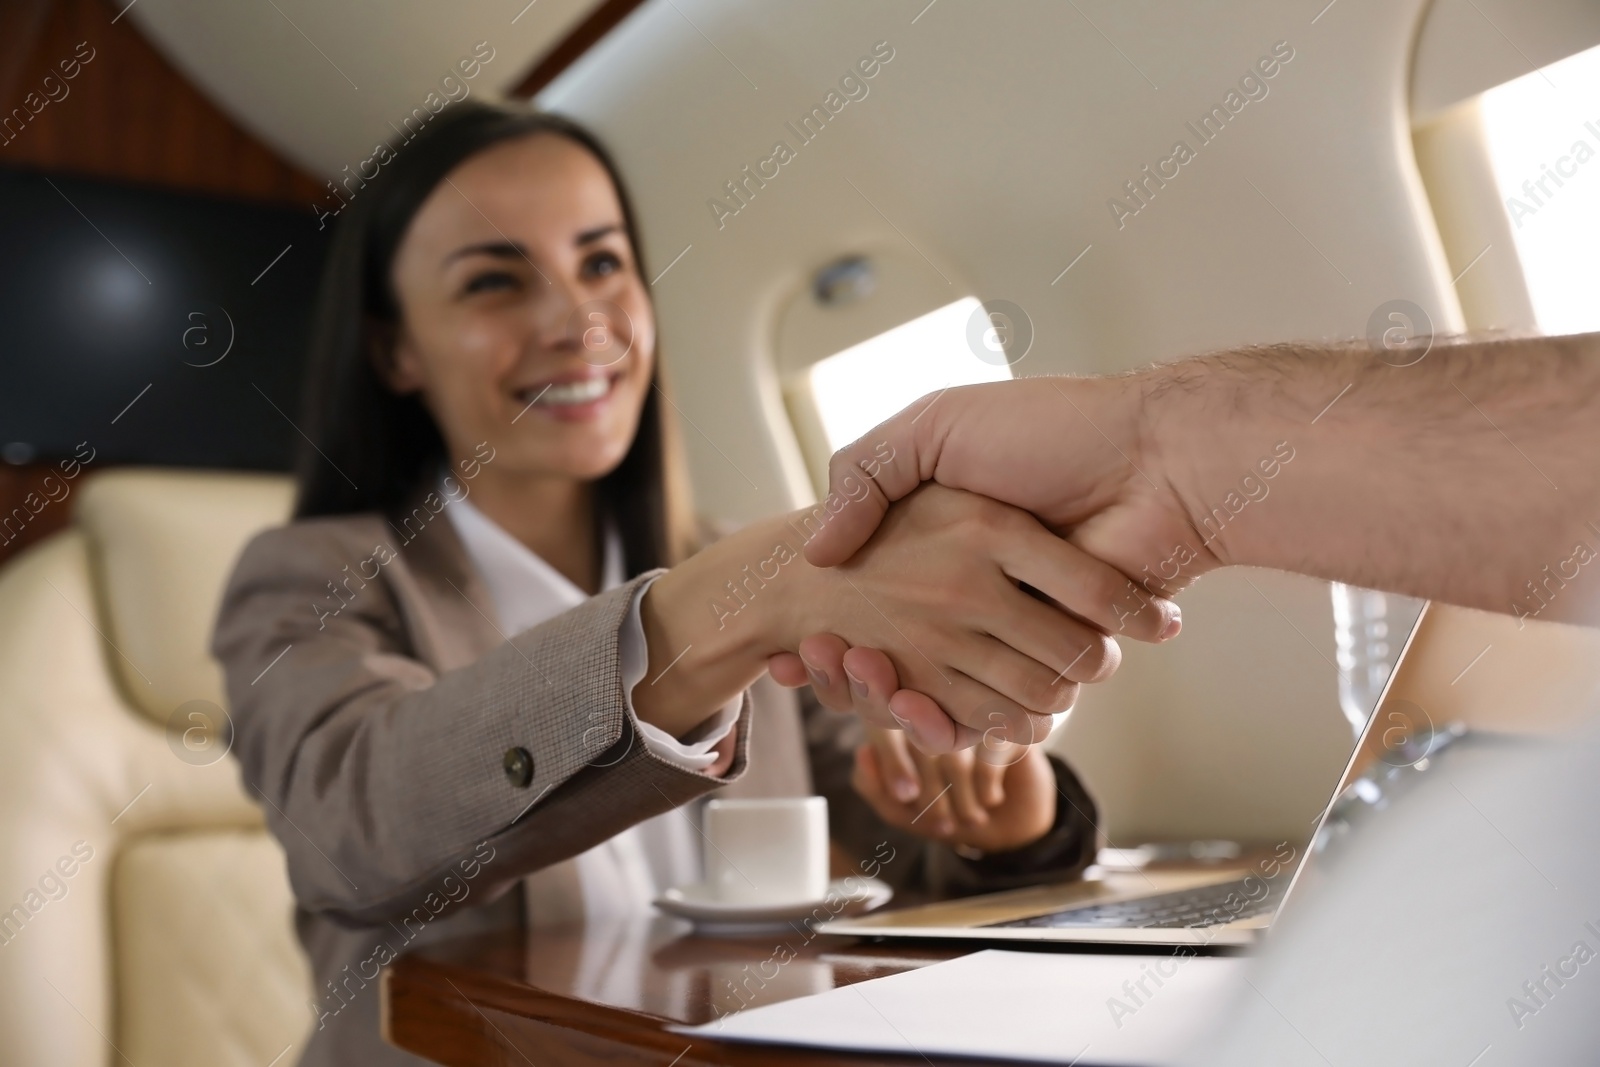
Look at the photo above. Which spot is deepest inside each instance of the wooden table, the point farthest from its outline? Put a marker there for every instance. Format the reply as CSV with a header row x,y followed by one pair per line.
x,y
606,994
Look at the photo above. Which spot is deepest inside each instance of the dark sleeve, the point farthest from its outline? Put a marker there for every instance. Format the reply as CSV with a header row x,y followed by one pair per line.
x,y
1064,852
907,861
380,776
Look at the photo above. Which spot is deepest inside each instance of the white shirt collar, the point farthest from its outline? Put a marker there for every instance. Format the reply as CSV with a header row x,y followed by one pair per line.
x,y
525,589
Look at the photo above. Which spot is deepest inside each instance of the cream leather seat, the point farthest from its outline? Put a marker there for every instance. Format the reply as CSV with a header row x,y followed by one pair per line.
x,y
145,914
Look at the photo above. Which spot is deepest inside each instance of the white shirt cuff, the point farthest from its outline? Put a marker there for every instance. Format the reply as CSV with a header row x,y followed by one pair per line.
x,y
635,659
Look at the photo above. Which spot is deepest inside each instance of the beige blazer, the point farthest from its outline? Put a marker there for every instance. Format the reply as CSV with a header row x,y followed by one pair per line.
x,y
416,764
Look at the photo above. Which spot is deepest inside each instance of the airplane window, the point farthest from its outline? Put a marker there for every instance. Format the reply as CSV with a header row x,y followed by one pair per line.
x,y
858,388
1544,147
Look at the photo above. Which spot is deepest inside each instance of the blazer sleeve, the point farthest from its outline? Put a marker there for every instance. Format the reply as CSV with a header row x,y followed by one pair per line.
x,y
383,778
907,861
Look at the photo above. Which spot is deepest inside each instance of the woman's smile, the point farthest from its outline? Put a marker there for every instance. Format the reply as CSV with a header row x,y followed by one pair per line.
x,y
574,398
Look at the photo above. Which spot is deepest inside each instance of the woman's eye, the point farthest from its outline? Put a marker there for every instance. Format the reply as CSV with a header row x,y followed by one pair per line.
x,y
491,281
602,264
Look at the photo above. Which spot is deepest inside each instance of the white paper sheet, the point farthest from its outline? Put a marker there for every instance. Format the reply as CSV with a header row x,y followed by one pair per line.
x,y
1043,1007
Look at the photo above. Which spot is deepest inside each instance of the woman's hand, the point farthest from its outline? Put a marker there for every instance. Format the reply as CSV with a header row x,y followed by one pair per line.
x,y
863,682
996,797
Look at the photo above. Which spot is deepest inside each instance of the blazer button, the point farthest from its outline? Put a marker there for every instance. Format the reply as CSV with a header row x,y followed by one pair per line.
x,y
518,765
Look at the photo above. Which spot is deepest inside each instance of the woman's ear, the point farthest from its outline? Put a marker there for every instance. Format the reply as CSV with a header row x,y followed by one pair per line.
x,y
392,357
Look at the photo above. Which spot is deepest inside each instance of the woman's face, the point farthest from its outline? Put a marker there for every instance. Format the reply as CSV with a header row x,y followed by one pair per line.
x,y
524,321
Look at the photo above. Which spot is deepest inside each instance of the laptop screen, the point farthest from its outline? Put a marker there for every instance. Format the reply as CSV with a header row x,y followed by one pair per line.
x,y
1242,730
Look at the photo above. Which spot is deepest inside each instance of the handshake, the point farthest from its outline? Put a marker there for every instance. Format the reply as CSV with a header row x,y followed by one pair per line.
x,y
993,542
980,554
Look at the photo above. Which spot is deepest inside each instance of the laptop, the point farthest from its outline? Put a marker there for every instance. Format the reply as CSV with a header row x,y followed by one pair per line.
x,y
1225,902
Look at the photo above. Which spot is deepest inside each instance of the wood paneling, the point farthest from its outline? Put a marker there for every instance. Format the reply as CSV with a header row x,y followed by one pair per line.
x,y
128,115
583,37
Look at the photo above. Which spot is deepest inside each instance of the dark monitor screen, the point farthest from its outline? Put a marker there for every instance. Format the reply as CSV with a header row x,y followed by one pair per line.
x,y
161,328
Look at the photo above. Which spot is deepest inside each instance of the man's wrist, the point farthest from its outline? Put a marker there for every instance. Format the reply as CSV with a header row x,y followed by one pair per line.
x,y
1172,400
1220,430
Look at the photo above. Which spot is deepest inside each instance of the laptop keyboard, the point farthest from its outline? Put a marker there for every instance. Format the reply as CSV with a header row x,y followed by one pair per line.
x,y
1209,905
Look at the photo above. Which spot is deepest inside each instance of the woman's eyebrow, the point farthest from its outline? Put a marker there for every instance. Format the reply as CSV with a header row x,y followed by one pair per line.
x,y
501,249
598,232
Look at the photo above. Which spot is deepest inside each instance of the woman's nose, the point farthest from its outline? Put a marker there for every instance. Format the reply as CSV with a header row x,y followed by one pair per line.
x,y
555,317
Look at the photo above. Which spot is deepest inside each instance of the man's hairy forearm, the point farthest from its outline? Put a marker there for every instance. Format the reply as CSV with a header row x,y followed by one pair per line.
x,y
1472,476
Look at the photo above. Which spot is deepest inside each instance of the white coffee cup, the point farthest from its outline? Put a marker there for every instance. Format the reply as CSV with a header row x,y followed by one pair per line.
x,y
769,851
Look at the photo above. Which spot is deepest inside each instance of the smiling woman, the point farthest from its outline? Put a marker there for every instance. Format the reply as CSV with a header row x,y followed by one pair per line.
x,y
368,414
484,316
476,309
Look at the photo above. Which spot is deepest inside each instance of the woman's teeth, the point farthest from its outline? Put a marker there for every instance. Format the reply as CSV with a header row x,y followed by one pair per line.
x,y
567,393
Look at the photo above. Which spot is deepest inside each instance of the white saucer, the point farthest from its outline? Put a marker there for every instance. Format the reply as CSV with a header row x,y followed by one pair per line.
x,y
711,914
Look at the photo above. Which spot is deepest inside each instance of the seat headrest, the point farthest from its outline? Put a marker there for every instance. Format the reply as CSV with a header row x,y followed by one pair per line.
x,y
163,543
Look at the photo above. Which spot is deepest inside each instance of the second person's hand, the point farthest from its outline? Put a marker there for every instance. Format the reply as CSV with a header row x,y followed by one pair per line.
x,y
995,797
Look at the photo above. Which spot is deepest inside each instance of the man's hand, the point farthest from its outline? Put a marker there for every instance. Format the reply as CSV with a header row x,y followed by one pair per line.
x,y
980,608
1070,450
1007,441
996,797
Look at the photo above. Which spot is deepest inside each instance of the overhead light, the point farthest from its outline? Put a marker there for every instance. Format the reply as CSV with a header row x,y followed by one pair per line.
x,y
844,281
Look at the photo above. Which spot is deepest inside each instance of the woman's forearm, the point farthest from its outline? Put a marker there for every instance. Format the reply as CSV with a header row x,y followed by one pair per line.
x,y
380,771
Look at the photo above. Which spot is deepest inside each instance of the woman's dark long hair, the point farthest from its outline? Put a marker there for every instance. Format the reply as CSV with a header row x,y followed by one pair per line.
x,y
369,447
